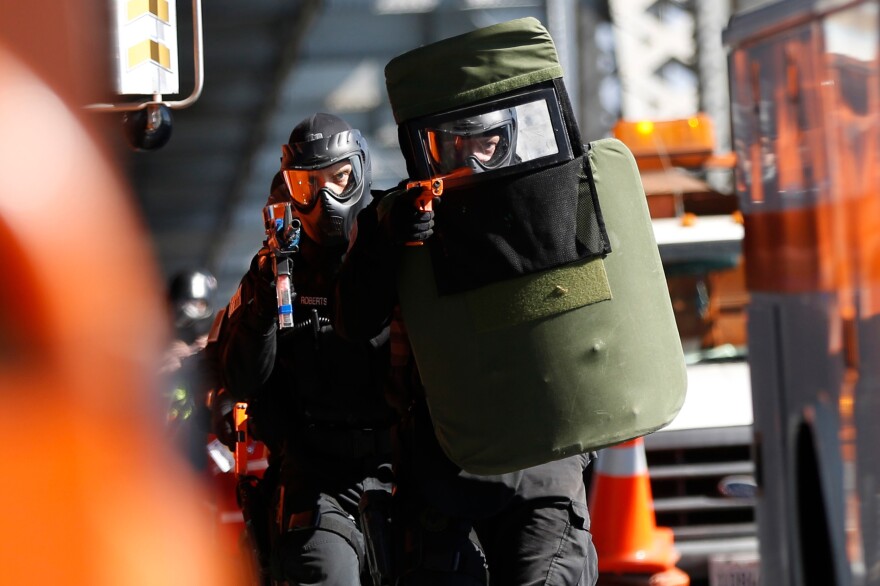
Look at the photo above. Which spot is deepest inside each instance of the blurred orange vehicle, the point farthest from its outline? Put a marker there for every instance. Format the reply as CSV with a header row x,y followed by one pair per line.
x,y
806,123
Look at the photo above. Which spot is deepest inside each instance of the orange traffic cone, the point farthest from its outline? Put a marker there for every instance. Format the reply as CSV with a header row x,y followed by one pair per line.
x,y
624,529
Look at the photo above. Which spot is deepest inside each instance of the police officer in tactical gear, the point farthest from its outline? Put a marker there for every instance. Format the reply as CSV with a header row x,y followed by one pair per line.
x,y
487,141
189,366
315,399
531,525
191,296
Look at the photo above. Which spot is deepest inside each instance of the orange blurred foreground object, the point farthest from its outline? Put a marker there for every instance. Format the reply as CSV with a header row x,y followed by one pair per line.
x,y
92,495
624,529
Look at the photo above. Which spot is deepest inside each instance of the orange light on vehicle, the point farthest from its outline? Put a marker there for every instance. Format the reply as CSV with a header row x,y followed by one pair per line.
x,y
645,127
685,142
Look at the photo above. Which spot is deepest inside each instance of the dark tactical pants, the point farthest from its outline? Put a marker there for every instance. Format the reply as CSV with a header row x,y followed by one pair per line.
x,y
544,542
532,526
534,543
540,536
321,546
317,532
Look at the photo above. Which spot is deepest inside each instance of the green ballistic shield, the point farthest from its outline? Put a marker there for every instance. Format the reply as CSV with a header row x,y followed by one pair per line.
x,y
555,363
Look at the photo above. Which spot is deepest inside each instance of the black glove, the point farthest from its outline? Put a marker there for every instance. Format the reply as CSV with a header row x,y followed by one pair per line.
x,y
404,222
263,269
223,419
261,284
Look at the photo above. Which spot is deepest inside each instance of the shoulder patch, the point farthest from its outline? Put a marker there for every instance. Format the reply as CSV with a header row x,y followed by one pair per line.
x,y
234,303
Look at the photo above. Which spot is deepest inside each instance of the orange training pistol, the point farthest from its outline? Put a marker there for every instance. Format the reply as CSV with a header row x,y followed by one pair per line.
x,y
431,188
241,439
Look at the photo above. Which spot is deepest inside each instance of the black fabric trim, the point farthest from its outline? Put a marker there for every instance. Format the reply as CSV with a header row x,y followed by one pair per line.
x,y
574,132
594,195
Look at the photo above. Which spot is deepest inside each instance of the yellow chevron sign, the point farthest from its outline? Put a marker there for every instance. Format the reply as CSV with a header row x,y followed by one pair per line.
x,y
146,44
158,8
149,50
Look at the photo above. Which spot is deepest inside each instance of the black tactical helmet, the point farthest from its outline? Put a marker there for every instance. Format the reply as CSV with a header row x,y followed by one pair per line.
x,y
326,165
191,295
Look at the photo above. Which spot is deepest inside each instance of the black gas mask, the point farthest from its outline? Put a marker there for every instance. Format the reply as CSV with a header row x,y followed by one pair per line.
x,y
326,166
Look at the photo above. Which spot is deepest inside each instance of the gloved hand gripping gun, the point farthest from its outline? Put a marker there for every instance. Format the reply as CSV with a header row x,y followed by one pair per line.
x,y
431,189
282,240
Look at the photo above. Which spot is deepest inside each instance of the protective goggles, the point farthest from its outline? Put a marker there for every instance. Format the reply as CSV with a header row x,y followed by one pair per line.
x,y
339,180
482,150
507,135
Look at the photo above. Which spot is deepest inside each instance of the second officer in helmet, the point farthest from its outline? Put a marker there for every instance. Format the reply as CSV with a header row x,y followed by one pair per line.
x,y
314,398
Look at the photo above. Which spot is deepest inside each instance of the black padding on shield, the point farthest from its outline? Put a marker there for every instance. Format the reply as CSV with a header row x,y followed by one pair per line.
x,y
516,226
574,133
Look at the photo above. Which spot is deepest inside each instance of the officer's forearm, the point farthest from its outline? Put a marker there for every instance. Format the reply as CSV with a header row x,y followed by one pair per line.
x,y
248,355
366,287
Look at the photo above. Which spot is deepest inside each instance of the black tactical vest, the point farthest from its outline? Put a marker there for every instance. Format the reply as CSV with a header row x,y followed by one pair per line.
x,y
327,381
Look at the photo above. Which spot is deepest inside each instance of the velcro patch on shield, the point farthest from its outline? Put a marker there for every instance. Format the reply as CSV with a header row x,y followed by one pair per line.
x,y
537,296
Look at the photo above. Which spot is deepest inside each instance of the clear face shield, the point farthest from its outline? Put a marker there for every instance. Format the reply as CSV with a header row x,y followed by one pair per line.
x,y
510,135
338,181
